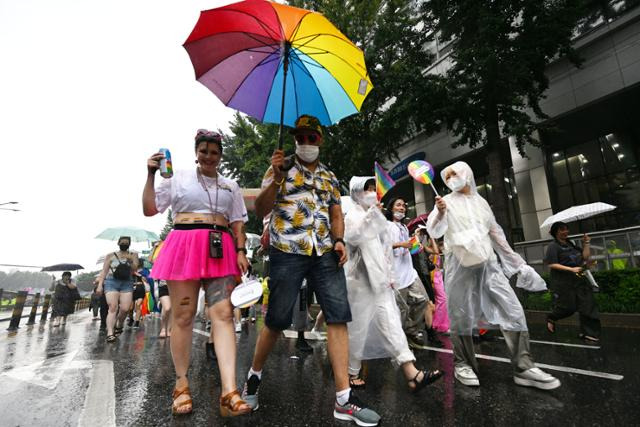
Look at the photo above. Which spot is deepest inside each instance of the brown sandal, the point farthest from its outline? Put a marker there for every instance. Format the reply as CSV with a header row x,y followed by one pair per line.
x,y
227,409
176,409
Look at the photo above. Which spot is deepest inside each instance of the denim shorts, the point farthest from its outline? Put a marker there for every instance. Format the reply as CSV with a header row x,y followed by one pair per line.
x,y
324,277
117,285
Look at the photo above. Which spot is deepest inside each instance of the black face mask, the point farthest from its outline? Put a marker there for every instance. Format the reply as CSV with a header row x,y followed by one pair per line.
x,y
124,247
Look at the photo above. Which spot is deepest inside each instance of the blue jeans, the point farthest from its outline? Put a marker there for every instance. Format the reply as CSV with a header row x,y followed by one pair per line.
x,y
117,285
325,278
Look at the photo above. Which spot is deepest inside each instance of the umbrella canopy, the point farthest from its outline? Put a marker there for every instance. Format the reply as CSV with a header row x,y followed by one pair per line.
x,y
276,62
576,213
63,267
136,234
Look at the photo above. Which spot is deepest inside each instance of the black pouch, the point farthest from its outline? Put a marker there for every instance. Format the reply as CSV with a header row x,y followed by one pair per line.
x,y
215,244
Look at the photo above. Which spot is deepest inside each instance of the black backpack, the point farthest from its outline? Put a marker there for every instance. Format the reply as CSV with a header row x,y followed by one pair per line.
x,y
123,270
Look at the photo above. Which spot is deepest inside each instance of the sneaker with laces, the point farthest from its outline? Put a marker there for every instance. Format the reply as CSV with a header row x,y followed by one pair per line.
x,y
536,377
357,411
250,392
466,376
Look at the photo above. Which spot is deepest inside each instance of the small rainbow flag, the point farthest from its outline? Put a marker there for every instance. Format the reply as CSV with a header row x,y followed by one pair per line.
x,y
383,181
415,246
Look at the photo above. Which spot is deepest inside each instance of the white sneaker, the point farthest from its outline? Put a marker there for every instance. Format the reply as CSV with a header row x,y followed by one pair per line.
x,y
536,377
238,327
314,335
466,376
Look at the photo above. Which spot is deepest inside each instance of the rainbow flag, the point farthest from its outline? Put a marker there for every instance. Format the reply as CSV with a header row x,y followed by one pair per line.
x,y
383,181
415,246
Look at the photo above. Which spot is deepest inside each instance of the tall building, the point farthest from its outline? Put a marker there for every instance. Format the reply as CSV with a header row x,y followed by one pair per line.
x,y
591,155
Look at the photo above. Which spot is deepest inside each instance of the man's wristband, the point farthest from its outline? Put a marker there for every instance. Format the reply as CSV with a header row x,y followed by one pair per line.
x,y
339,239
242,250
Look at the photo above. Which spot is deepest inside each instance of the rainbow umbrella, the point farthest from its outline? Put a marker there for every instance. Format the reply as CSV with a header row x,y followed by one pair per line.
x,y
276,62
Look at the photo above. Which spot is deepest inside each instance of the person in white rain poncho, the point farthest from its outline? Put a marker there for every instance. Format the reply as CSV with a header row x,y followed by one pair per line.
x,y
376,329
475,279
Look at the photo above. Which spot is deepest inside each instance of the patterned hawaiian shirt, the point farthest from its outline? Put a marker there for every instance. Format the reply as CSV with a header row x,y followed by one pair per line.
x,y
300,219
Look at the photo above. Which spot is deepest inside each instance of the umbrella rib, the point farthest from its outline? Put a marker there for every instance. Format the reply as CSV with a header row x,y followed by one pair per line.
x,y
303,66
261,23
325,52
263,62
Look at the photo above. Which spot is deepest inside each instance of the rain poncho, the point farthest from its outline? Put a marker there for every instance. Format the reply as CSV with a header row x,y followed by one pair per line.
x,y
376,329
476,283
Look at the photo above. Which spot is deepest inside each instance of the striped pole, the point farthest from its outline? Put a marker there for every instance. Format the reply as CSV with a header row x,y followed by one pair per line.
x,y
17,311
45,308
34,309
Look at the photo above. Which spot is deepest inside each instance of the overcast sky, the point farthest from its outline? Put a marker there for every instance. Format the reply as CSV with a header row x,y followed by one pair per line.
x,y
88,90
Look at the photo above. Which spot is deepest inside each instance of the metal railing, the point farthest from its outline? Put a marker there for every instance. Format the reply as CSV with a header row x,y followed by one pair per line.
x,y
13,304
610,249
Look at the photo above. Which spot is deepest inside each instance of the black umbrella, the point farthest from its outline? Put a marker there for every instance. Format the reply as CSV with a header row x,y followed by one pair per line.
x,y
63,267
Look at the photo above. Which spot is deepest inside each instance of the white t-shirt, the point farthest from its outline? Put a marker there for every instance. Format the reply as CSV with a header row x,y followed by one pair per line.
x,y
403,270
185,193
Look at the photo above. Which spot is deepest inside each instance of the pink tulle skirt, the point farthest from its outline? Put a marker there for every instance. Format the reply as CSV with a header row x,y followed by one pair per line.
x,y
440,316
185,256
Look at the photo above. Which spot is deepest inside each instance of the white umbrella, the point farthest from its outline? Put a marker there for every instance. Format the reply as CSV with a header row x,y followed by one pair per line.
x,y
576,213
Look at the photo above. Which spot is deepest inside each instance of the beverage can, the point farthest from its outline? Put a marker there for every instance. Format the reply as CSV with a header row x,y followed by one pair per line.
x,y
166,167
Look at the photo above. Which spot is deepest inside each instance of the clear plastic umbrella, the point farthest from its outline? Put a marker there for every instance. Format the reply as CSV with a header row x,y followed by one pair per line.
x,y
576,213
136,234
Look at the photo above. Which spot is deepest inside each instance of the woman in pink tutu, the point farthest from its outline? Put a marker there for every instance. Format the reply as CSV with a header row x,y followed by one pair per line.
x,y
206,248
440,316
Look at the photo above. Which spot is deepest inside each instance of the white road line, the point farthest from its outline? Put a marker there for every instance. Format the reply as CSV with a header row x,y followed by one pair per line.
x,y
100,401
597,374
590,347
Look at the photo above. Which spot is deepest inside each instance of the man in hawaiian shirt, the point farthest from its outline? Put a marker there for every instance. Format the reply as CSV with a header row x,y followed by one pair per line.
x,y
305,231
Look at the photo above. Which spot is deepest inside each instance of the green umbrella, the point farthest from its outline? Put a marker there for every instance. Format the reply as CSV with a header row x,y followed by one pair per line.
x,y
136,234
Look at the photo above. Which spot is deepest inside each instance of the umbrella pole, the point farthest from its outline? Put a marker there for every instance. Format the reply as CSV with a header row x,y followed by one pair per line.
x,y
285,66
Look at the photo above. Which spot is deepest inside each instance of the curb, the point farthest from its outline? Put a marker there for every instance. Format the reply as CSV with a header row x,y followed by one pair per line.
x,y
608,320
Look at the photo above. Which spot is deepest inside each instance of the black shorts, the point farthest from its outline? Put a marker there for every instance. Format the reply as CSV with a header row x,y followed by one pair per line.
x,y
138,292
163,291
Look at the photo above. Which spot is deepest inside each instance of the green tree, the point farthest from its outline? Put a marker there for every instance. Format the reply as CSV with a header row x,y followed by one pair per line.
x,y
500,53
168,226
247,155
392,35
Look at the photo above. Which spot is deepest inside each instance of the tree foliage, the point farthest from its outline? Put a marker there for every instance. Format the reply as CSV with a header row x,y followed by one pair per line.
x,y
500,54
392,36
18,280
168,226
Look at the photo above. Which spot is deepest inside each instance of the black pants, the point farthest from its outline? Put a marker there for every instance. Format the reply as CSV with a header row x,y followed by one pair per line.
x,y
573,294
104,310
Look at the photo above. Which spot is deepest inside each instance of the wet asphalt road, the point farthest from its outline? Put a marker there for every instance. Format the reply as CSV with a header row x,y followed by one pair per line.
x,y
69,376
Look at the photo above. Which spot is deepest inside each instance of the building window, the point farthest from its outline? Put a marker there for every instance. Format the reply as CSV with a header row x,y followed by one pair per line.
x,y
604,169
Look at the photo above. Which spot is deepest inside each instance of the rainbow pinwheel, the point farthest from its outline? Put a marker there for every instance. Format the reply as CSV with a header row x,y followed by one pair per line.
x,y
276,62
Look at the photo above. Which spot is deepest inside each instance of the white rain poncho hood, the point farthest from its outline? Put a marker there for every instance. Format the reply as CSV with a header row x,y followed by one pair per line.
x,y
472,238
376,329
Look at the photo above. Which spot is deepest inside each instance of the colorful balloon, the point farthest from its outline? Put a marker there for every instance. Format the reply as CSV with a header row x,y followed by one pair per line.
x,y
421,171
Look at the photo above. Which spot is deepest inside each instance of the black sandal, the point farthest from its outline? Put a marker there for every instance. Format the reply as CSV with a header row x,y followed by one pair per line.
x,y
428,377
354,378
552,329
111,338
117,330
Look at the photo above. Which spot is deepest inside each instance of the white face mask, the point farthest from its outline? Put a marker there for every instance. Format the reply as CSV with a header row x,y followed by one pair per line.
x,y
456,183
308,153
399,216
369,199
